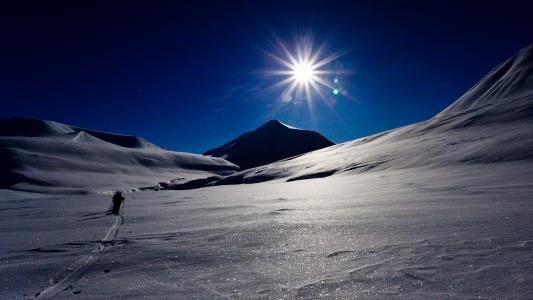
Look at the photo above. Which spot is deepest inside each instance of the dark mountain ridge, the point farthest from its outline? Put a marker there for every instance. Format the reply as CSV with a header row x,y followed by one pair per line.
x,y
270,142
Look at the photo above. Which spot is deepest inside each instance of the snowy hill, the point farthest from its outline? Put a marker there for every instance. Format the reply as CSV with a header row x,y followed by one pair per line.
x,y
270,142
492,122
47,156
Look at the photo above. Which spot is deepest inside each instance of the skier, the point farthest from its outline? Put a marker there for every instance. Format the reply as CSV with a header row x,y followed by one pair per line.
x,y
117,202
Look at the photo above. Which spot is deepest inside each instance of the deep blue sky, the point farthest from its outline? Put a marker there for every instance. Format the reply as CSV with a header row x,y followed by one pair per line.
x,y
185,76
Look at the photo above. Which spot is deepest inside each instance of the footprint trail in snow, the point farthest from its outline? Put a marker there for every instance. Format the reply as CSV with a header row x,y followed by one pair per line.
x,y
77,271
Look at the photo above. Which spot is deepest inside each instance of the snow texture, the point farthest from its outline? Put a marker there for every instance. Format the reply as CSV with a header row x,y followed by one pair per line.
x,y
459,232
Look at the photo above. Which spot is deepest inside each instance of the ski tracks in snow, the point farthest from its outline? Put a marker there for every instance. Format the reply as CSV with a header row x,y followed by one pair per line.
x,y
76,272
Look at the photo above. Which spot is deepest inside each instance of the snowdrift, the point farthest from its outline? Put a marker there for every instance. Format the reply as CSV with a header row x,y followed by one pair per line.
x,y
46,156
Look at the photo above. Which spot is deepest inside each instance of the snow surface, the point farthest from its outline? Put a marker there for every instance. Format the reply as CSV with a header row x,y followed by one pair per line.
x,y
460,232
438,209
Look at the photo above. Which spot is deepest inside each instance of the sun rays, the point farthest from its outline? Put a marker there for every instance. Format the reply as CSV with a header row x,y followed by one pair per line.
x,y
305,72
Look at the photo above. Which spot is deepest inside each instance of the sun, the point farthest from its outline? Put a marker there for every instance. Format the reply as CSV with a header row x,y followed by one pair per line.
x,y
304,71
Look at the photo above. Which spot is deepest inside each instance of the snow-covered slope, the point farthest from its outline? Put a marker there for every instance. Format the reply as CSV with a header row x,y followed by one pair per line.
x,y
270,142
492,122
47,156
458,232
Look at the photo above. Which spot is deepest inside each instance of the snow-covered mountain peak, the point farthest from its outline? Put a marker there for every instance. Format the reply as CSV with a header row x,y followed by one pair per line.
x,y
510,80
32,127
278,124
270,142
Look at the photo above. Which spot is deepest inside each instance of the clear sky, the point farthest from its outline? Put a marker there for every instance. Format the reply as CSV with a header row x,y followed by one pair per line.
x,y
189,76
